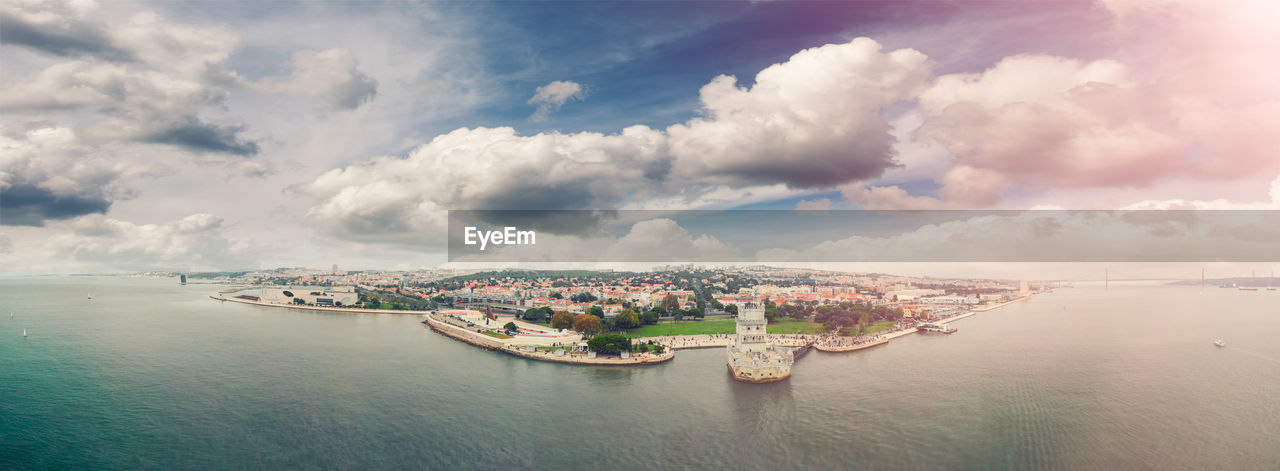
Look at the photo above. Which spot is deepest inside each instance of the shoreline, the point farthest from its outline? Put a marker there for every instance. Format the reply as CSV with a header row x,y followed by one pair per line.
x,y
1003,304
851,348
489,343
353,310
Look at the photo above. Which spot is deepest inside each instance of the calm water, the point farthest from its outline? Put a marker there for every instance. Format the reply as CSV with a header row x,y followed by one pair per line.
x,y
153,375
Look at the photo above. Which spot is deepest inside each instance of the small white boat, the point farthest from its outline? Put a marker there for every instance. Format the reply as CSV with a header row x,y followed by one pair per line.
x,y
90,295
1219,343
24,332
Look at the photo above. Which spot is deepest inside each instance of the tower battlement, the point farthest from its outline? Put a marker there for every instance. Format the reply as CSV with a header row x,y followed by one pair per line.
x,y
752,357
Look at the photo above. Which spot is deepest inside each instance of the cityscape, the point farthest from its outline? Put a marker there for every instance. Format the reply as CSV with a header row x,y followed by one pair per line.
x,y
702,235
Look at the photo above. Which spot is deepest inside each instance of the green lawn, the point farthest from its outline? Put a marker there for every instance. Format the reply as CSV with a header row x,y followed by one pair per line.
x,y
794,326
879,326
723,326
496,335
715,326
875,327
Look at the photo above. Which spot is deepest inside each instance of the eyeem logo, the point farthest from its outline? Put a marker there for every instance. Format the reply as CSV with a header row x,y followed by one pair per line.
x,y
507,236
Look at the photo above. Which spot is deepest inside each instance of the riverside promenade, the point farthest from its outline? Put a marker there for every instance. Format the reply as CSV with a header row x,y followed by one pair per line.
x,y
307,307
1003,304
533,353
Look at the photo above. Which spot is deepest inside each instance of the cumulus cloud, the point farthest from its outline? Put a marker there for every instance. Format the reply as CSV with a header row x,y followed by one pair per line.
x,y
551,96
331,77
1216,204
149,81
820,204
47,174
810,121
1042,121
57,28
190,243
96,242
814,120
485,168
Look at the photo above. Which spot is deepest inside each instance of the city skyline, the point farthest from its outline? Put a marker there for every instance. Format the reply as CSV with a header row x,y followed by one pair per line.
x,y
199,136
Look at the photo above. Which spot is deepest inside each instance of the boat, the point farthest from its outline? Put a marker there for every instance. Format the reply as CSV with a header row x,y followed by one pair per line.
x,y
24,332
1248,289
1219,343
90,295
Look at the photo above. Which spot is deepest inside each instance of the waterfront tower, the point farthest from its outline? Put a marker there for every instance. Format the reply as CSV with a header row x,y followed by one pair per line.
x,y
752,357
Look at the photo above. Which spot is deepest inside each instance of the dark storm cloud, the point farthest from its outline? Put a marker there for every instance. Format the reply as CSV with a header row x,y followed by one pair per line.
x,y
75,40
194,135
25,204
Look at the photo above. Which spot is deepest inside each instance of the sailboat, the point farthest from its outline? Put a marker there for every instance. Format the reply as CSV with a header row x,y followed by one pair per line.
x,y
1219,343
90,295
24,333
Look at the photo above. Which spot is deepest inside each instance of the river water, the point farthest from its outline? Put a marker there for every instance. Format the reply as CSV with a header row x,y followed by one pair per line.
x,y
153,375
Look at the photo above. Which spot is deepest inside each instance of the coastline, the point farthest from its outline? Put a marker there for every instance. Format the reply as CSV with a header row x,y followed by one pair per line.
x,y
354,310
1003,304
490,343
822,348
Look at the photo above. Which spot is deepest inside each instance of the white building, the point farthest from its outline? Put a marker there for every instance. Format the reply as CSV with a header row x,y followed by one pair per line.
x,y
752,357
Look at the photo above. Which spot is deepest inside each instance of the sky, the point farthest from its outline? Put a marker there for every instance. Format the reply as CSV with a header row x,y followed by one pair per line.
x,y
224,135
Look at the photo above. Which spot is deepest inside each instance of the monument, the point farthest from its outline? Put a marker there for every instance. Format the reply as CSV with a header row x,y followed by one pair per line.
x,y
753,358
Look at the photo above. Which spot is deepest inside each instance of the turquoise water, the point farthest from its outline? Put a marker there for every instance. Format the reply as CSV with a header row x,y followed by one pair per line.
x,y
152,375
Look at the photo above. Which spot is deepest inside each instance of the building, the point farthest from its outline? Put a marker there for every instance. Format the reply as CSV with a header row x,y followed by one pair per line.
x,y
753,358
1024,289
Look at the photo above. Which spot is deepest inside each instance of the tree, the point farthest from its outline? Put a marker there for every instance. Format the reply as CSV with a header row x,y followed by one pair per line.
x,y
628,319
649,318
595,311
693,312
586,323
771,312
716,304
562,320
610,343
537,314
557,295
670,302
731,309
511,327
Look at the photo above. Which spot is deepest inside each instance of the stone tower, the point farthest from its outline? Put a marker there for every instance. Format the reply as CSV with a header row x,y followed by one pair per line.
x,y
752,357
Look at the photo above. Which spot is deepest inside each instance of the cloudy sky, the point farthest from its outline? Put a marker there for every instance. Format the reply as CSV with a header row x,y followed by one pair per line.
x,y
231,135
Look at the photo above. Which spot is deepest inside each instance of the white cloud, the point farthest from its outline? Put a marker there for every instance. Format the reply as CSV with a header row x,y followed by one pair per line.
x,y
142,79
330,77
1040,121
1216,204
195,242
814,120
820,204
551,96
47,173
485,168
